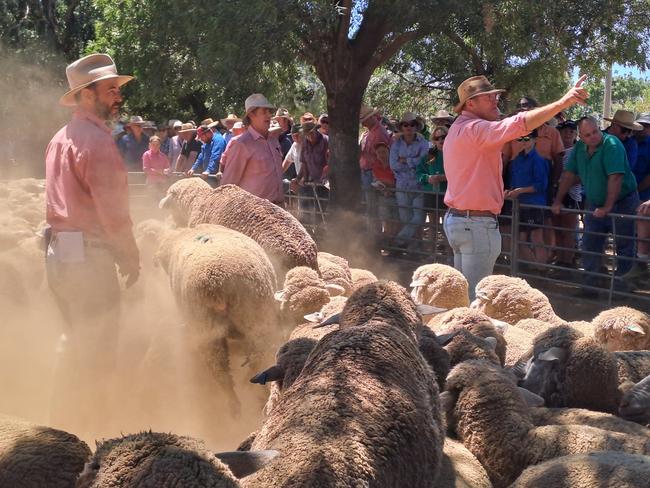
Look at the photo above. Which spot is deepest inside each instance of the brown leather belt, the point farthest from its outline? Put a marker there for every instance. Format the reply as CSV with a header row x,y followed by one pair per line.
x,y
471,213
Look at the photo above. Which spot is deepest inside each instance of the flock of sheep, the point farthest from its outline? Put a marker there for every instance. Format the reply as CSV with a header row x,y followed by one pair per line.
x,y
367,384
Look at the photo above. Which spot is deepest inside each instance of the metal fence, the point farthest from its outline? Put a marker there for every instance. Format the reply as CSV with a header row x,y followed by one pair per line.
x,y
429,244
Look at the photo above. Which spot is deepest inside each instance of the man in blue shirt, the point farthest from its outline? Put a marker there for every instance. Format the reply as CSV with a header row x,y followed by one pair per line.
x,y
211,151
641,171
528,182
134,144
623,126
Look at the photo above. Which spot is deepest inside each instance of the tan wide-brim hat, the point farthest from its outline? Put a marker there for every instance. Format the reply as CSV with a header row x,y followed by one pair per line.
x,y
367,112
185,128
275,126
88,70
625,118
231,118
411,117
283,112
472,87
137,120
257,100
442,116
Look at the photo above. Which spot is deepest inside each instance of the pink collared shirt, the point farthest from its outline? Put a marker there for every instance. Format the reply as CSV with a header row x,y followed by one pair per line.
x,y
86,183
368,157
472,160
255,164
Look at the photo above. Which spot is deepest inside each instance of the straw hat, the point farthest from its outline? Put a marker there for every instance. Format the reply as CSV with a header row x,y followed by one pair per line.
x,y
137,120
283,112
307,117
187,128
231,118
88,70
367,112
625,118
257,100
208,122
411,117
644,118
442,116
472,87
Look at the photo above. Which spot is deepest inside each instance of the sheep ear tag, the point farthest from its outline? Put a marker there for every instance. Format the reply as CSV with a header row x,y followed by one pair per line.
x,y
244,463
636,328
333,319
424,309
314,317
274,373
165,201
280,296
531,399
553,354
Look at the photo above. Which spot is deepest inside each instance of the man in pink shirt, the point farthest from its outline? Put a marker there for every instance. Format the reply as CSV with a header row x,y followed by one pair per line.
x,y
91,232
473,166
255,158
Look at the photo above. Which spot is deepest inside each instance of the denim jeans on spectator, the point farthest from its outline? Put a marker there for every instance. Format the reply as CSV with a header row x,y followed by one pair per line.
x,y
476,242
411,215
624,229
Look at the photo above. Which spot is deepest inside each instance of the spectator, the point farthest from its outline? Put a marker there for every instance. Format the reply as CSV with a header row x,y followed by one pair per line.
x,y
165,142
371,120
442,118
283,118
306,118
211,151
254,160
292,163
473,166
599,160
175,141
622,125
134,143
384,185
528,180
405,155
573,200
324,123
156,166
87,209
190,148
314,156
229,123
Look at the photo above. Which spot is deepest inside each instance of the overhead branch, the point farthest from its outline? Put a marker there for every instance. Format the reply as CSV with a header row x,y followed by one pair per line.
x,y
345,14
394,45
477,62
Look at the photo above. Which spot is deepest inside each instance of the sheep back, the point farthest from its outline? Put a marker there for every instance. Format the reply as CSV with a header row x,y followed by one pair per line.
x,y
460,469
632,366
622,329
361,277
440,285
579,416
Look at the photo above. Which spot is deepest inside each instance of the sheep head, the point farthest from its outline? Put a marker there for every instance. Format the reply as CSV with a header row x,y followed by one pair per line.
x,y
181,196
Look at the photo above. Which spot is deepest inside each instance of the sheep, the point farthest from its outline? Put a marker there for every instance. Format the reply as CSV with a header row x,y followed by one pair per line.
x,y
333,307
361,277
460,469
464,346
632,366
223,283
486,410
335,270
192,202
579,416
439,285
161,460
34,456
635,404
303,293
364,410
622,329
605,469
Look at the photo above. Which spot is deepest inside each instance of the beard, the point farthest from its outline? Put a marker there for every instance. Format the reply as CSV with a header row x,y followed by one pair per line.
x,y
107,112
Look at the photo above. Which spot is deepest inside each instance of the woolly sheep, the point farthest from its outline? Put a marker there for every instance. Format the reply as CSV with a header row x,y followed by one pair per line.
x,y
223,284
303,293
333,307
439,285
363,411
361,277
579,416
635,404
487,411
464,346
622,329
460,469
160,460
192,202
605,469
34,456
335,270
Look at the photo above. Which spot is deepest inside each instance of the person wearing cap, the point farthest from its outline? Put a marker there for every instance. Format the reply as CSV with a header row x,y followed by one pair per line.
x,y
190,148
324,124
212,148
406,152
283,118
228,123
473,166
291,164
254,159
87,210
600,162
134,143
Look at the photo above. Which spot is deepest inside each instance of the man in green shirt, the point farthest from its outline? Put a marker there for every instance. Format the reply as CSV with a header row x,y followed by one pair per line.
x,y
600,162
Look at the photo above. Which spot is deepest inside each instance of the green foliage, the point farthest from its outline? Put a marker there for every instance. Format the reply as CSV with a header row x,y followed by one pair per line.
x,y
628,93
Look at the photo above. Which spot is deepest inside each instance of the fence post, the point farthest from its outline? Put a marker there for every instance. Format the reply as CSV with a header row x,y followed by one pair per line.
x,y
514,238
612,276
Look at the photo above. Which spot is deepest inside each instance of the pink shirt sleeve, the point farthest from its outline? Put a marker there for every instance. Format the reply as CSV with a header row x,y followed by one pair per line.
x,y
487,133
146,162
237,156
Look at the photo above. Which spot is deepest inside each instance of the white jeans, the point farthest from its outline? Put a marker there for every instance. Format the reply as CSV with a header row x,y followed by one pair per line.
x,y
476,242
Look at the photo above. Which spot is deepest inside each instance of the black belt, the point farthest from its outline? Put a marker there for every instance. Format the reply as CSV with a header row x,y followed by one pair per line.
x,y
471,213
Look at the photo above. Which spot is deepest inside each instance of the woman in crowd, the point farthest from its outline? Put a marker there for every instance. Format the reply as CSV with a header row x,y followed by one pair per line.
x,y
156,167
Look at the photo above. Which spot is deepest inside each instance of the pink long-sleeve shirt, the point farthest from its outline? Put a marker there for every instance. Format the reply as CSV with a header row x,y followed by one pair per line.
x,y
368,157
255,164
154,161
472,160
86,183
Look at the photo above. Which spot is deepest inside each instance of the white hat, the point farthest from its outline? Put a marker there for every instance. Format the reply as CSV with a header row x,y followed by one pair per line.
x,y
173,123
137,120
367,112
257,100
88,70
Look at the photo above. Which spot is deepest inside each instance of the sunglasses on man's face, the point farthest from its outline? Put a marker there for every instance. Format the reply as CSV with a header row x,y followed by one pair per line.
x,y
410,124
524,139
523,105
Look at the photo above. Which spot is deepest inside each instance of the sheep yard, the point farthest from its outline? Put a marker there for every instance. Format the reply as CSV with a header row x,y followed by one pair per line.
x,y
328,370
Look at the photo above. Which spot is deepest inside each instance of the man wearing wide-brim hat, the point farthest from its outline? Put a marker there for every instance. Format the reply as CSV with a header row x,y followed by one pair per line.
x,y
228,122
87,209
473,165
623,126
190,148
442,117
134,143
254,159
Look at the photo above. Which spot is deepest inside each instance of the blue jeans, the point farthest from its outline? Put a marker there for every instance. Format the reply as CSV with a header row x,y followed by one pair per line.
x,y
624,236
476,242
411,214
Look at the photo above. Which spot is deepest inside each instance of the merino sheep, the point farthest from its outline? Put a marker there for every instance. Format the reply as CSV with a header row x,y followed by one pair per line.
x,y
605,469
335,270
157,460
361,277
487,411
580,416
622,329
460,469
333,307
465,346
635,404
439,285
364,410
304,293
34,456
192,202
223,283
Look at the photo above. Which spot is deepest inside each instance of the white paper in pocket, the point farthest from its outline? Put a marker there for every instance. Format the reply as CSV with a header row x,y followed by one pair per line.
x,y
68,247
